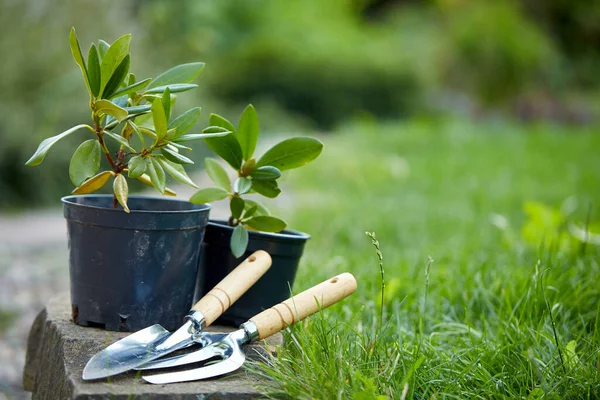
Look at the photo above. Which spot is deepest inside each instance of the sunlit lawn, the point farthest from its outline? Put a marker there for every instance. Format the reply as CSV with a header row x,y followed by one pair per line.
x,y
494,205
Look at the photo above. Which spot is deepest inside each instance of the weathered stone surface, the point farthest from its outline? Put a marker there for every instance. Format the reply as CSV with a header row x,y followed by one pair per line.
x,y
58,351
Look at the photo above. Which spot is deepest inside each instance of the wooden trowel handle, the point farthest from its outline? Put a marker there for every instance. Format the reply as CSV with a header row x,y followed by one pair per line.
x,y
233,286
303,305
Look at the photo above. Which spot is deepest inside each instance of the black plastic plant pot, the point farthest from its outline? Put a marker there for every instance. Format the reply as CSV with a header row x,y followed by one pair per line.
x,y
130,271
272,288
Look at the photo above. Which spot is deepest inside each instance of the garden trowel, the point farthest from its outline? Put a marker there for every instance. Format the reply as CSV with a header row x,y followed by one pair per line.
x,y
261,326
155,341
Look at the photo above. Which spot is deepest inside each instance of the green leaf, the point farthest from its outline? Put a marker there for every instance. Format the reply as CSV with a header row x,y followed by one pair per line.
x,y
85,161
117,78
536,394
571,357
148,132
160,119
250,212
145,179
266,173
266,223
103,47
208,195
217,173
239,241
261,209
174,88
156,173
121,191
175,156
184,73
180,146
242,185
136,167
268,188
120,139
111,121
139,134
131,89
110,108
93,70
121,101
291,153
46,144
114,56
236,205
190,137
176,171
247,132
94,183
78,57
166,102
185,121
227,147
216,131
217,120
138,109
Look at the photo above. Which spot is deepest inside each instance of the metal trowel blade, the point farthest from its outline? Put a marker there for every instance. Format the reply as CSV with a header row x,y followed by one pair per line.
x,y
127,353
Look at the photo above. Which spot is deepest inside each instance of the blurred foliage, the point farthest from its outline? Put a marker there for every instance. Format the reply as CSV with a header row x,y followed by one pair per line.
x,y
317,59
7,319
304,64
503,52
574,28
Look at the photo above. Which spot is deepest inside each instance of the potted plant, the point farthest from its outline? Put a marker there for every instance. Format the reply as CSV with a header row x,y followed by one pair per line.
x,y
251,226
132,259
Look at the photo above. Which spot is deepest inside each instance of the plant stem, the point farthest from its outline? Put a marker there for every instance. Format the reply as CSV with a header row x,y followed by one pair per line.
x,y
114,166
100,135
375,243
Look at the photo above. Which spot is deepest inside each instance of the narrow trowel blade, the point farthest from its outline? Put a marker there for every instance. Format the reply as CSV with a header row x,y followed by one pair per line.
x,y
136,349
230,364
183,359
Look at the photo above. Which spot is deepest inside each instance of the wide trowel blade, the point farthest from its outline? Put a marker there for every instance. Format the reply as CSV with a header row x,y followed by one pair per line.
x,y
136,349
121,355
231,363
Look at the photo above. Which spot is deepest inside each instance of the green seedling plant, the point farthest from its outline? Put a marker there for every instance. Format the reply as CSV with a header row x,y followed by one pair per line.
x,y
123,108
253,176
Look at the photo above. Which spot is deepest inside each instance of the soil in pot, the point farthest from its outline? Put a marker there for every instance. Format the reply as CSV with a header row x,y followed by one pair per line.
x,y
130,271
273,287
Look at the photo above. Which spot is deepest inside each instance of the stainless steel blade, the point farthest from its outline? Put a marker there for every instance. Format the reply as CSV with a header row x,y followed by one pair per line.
x,y
136,349
229,349
203,354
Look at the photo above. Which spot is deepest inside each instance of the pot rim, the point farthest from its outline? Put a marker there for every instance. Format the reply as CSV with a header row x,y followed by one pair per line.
x,y
69,200
286,233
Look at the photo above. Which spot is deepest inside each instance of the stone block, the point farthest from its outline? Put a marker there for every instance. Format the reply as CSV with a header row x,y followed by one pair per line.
x,y
58,350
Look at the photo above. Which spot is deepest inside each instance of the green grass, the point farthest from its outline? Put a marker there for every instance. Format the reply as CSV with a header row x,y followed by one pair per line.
x,y
510,306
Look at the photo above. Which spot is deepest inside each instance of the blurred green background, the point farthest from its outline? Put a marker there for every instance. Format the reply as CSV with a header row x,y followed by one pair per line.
x,y
307,66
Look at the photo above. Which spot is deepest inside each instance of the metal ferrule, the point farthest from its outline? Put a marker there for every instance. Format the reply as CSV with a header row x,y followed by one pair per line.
x,y
197,319
251,331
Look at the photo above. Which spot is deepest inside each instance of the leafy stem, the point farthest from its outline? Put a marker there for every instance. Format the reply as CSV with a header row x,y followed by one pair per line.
x,y
254,175
116,99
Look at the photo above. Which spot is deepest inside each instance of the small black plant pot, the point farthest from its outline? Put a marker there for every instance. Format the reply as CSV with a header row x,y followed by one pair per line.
x,y
130,271
272,288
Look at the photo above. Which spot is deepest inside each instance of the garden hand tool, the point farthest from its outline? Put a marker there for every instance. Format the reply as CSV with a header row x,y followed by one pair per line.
x,y
261,326
155,341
